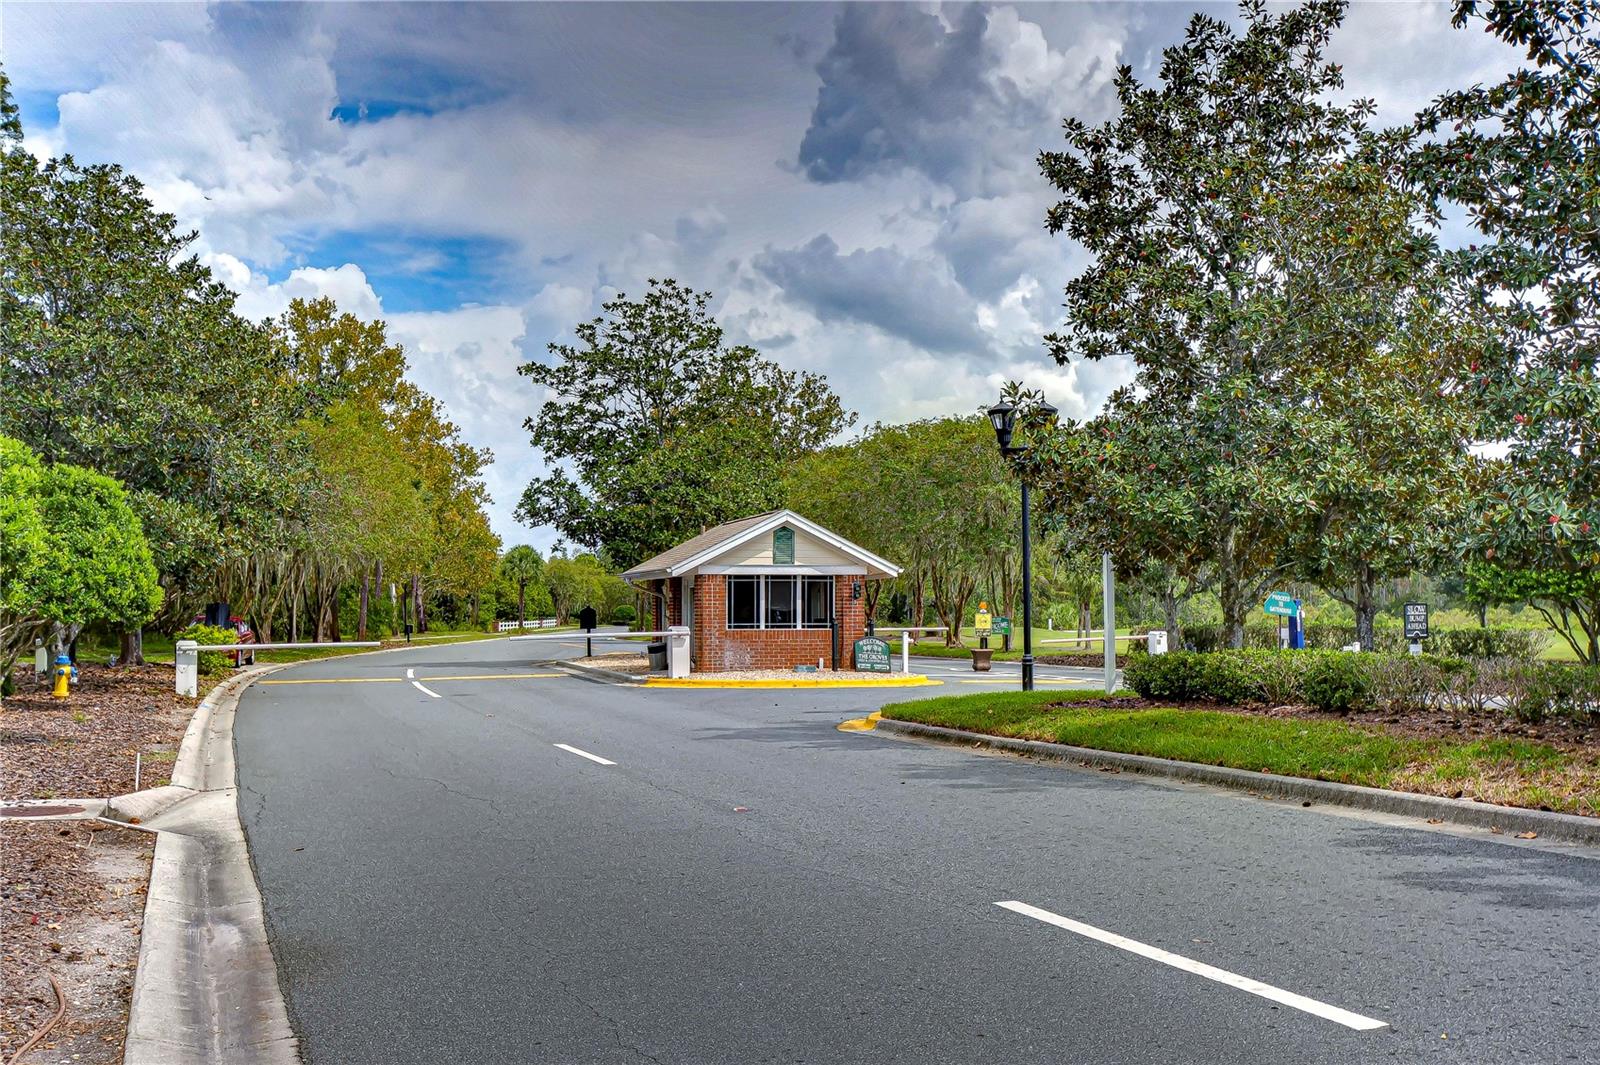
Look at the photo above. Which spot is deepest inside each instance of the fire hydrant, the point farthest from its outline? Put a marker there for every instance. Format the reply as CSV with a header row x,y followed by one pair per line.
x,y
63,674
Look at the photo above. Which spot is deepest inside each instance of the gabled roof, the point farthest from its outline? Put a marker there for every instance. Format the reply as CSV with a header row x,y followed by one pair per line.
x,y
698,550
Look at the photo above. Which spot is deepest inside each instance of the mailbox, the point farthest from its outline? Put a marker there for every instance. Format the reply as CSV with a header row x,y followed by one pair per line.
x,y
587,618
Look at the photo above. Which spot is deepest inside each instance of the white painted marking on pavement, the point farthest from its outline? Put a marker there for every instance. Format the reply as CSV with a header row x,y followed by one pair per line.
x,y
425,691
410,674
1210,972
584,754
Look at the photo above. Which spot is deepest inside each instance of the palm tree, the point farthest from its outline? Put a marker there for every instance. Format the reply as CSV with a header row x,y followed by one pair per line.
x,y
522,566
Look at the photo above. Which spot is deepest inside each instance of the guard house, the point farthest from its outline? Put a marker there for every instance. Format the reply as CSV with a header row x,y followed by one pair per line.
x,y
763,593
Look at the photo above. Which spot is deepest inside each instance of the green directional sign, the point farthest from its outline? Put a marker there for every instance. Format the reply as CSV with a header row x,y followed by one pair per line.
x,y
1282,605
1002,626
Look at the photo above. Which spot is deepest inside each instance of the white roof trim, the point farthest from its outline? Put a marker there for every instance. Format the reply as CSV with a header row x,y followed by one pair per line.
x,y
778,520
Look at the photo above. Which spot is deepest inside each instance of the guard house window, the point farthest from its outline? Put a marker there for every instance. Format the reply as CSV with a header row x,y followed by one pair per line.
x,y
780,602
744,608
816,610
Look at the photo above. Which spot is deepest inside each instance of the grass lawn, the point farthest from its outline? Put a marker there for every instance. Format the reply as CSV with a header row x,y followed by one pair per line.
x,y
1513,772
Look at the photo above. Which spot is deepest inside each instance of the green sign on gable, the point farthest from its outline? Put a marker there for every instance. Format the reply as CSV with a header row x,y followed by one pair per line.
x,y
783,546
872,655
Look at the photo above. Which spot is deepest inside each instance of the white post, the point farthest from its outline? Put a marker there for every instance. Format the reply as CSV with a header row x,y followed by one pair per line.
x,y
677,651
905,651
1108,605
41,657
187,656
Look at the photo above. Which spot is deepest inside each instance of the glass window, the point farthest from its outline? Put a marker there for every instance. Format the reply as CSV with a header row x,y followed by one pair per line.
x,y
817,603
743,609
781,595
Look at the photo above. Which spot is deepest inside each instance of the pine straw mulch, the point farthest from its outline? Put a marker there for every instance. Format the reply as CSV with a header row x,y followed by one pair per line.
x,y
72,892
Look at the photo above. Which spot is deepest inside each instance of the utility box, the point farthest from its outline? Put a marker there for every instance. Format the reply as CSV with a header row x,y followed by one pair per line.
x,y
1158,642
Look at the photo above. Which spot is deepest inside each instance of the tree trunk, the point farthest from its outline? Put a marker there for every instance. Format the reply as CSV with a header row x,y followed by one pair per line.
x,y
522,605
333,616
294,618
361,611
131,653
1169,610
474,610
1365,606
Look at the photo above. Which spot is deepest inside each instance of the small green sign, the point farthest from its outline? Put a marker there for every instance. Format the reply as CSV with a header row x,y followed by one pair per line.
x,y
1282,605
783,546
872,655
1002,627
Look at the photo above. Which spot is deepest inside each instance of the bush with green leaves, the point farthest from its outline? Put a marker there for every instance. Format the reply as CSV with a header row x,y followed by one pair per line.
x,y
1523,643
624,615
1338,683
211,662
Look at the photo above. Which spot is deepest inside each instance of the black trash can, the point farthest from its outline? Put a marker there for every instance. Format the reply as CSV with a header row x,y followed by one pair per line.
x,y
658,654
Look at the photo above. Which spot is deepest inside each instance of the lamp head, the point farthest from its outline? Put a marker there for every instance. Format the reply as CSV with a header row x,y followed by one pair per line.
x,y
1003,416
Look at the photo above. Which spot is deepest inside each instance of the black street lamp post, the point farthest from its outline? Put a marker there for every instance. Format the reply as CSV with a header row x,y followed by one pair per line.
x,y
1003,416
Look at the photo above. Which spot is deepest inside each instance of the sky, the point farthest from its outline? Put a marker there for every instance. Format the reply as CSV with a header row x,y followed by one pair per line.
x,y
856,184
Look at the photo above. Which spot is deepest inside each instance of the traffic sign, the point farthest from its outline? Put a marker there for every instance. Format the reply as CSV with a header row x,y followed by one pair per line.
x,y
1282,604
1416,615
983,621
1002,626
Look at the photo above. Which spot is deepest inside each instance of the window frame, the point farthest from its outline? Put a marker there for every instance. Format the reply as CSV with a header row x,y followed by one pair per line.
x,y
798,584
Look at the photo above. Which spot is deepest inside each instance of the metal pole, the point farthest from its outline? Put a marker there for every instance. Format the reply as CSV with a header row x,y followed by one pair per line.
x,y
1108,606
1027,597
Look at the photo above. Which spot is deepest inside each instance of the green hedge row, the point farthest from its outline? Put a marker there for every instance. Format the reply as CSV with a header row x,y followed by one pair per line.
x,y
1456,643
1350,682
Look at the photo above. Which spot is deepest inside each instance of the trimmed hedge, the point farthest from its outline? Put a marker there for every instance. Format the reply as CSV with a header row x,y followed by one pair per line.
x,y
1499,642
1351,682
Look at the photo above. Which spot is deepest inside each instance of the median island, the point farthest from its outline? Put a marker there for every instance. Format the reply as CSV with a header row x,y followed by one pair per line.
x,y
1551,767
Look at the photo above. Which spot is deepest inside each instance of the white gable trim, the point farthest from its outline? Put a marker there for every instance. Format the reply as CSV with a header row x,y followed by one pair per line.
x,y
778,520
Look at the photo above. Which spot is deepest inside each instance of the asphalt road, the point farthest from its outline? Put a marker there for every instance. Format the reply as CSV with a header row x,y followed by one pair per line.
x,y
744,883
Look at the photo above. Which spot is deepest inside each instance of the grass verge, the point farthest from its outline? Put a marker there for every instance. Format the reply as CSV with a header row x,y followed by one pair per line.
x,y
1511,772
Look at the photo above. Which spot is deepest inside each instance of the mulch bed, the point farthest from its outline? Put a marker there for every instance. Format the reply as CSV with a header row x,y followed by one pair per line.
x,y
72,892
1563,733
84,745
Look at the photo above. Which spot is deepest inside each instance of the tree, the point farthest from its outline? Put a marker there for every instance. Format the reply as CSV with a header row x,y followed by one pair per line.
x,y
934,496
574,583
1247,253
123,354
81,557
668,430
522,566
1523,157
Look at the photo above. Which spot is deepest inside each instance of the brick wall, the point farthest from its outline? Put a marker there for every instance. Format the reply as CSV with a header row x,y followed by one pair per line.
x,y
717,648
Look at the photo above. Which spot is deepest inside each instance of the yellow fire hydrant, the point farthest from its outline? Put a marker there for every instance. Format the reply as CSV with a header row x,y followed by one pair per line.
x,y
63,674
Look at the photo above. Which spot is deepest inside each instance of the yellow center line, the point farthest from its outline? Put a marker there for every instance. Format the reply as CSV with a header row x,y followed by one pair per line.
x,y
402,680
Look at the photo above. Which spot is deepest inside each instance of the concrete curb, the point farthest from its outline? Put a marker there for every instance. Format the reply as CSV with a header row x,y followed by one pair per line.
x,y
916,681
206,988
1569,828
595,673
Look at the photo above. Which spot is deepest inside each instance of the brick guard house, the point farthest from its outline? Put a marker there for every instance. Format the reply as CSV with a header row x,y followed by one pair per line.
x,y
763,592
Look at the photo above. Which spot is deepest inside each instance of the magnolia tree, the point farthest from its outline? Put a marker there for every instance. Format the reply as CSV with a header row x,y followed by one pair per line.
x,y
1522,156
1253,257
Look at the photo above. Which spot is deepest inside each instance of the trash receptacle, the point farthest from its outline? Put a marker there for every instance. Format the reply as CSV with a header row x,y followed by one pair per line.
x,y
658,654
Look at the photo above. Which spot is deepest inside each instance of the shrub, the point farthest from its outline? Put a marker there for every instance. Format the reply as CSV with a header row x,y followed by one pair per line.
x,y
211,661
1338,683
1521,643
1168,676
1536,690
624,615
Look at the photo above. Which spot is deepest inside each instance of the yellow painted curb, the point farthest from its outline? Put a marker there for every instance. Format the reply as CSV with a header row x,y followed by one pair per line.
x,y
862,724
695,682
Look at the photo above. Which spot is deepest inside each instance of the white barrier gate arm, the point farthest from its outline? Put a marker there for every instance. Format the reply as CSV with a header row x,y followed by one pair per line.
x,y
186,657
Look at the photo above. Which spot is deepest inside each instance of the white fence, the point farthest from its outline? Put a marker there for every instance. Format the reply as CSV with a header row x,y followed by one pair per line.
x,y
531,623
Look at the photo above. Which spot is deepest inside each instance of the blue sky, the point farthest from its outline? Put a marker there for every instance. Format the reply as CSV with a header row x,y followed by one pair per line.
x,y
856,184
